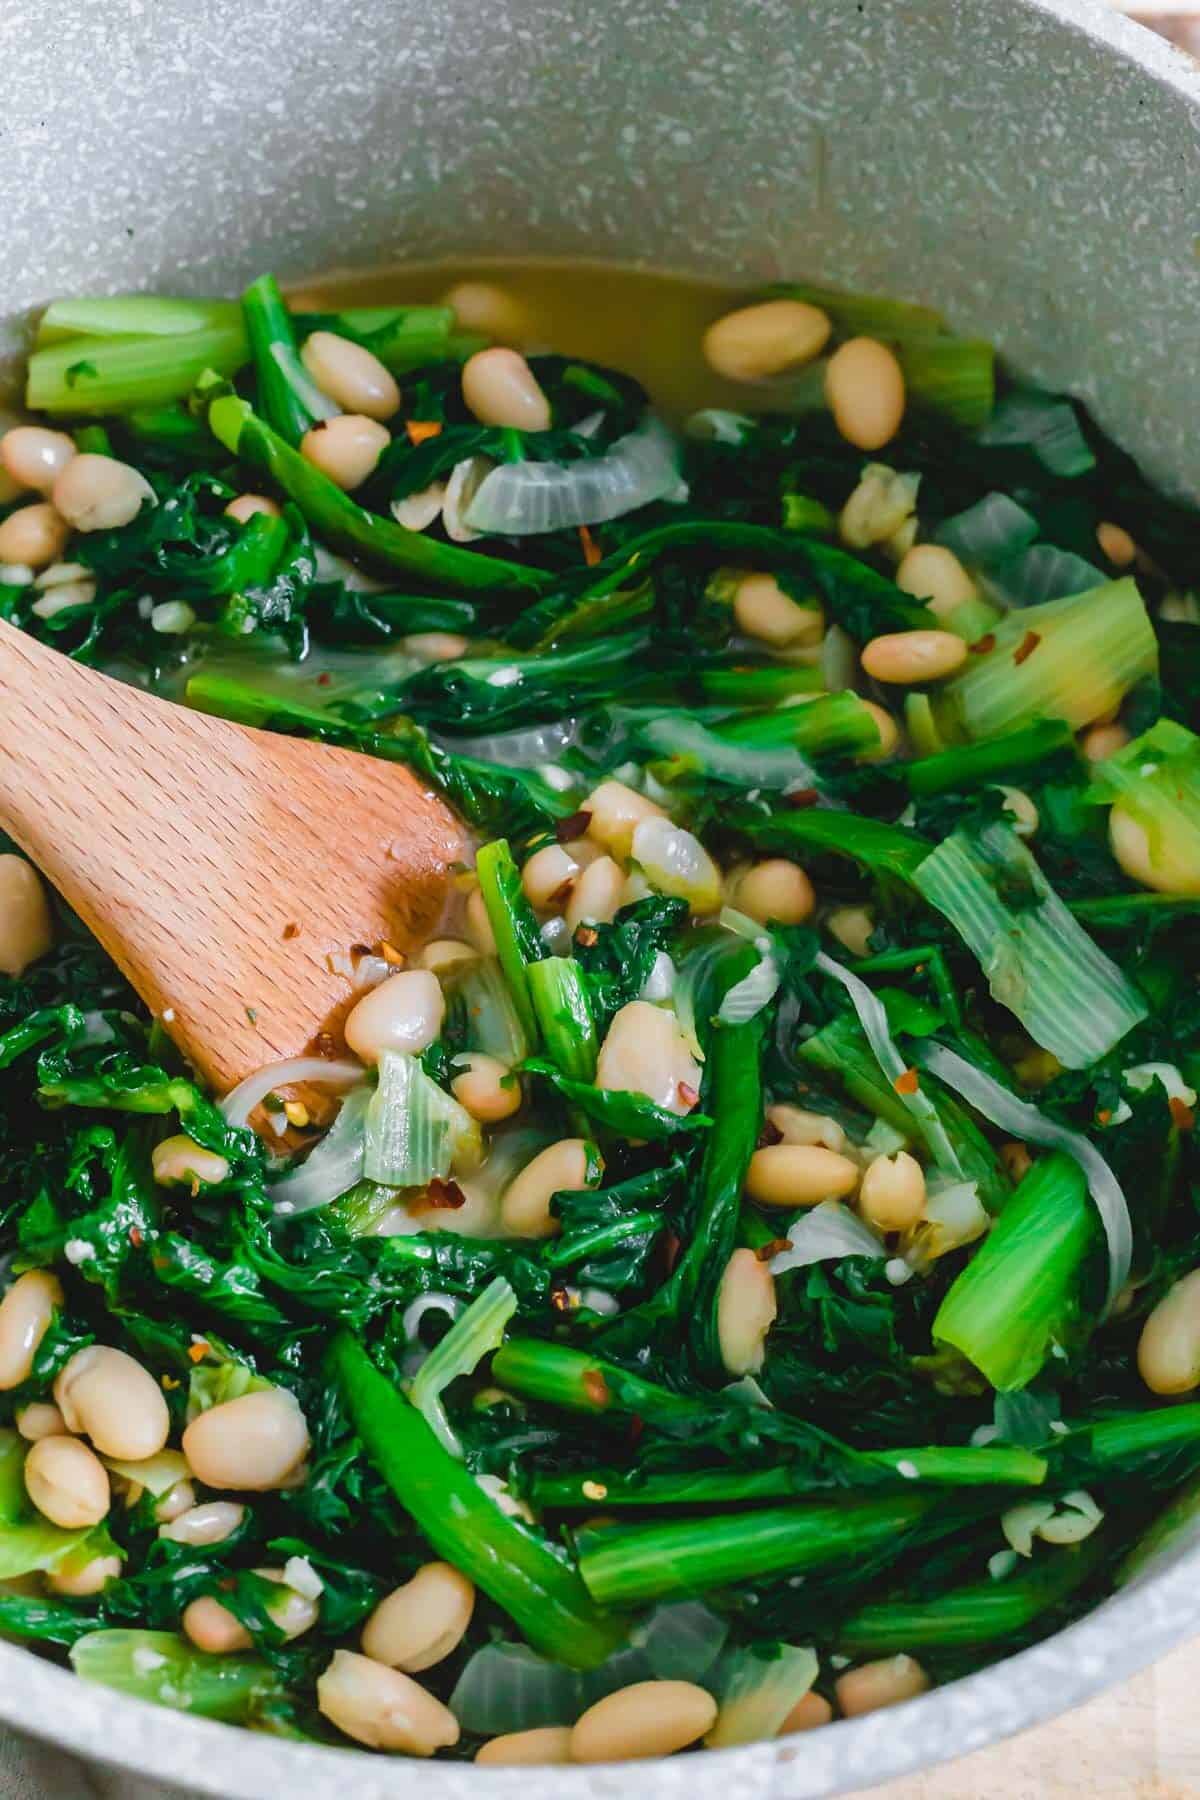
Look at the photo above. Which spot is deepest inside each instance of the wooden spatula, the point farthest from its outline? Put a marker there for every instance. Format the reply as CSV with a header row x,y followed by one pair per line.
x,y
220,867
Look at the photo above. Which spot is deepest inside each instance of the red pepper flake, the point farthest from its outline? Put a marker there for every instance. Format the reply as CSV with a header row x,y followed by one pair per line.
x,y
1182,1114
774,1248
361,950
198,1352
591,549
907,1083
801,797
1104,1115
135,1237
770,1134
324,680
420,430
393,957
324,1044
596,1388
562,892
1026,647
982,645
560,1300
444,1194
688,1095
574,827
636,1428
587,935
671,1246
291,930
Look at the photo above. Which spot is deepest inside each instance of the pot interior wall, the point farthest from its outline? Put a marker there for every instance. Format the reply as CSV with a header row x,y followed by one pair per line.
x,y
989,158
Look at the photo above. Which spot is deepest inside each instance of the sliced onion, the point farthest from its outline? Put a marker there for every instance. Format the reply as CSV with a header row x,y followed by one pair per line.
x,y
1026,1122
466,479
416,511
748,996
333,1166
449,1305
676,863
523,499
717,426
1043,572
526,749
682,1641
827,1234
241,1101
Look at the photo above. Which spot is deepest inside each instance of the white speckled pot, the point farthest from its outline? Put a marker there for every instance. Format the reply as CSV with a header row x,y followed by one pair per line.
x,y
1030,165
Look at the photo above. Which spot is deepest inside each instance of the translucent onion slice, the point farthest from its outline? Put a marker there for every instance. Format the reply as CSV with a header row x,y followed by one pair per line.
x,y
523,499
241,1101
749,995
333,1167
827,1234
1024,1121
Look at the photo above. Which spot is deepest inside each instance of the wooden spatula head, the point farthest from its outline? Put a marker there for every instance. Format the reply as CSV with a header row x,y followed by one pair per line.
x,y
228,872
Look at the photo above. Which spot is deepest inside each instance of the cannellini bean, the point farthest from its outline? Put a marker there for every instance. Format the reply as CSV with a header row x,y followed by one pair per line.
x,y
525,1206
799,1175
745,1312
34,536
762,610
864,386
931,573
852,926
436,646
1016,1159
180,1161
645,1052
442,955
251,506
877,1684
175,1502
796,1125
880,506
1102,741
113,1400
486,1087
210,1523
213,1628
544,1744
892,1195
346,448
775,890
500,388
67,1482
477,924
484,307
405,1012
759,341
92,1578
249,1444
38,1420
1168,1350
597,895
26,928
351,375
98,493
651,1718
808,1714
1021,810
25,1314
382,1707
293,1612
419,1624
1116,544
615,812
907,656
548,878
35,456
1168,866
889,734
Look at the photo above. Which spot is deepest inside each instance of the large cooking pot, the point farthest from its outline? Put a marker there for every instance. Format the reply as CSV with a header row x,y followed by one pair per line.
x,y
1026,165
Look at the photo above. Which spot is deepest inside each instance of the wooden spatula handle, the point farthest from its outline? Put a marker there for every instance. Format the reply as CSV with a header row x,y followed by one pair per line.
x,y
188,845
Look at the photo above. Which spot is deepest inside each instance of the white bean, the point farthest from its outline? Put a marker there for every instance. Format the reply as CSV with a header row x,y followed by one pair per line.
x,y
615,812
879,507
889,734
34,536
597,895
175,1502
26,928
483,307
762,610
745,1312
442,955
525,1207
180,1161
383,1707
486,1087
252,506
213,1628
1115,542
1168,1350
25,1314
799,1175
98,493
92,1578
878,1684
651,1718
105,1394
907,656
352,376
864,386
346,448
477,924
35,457
796,1125
249,1444
808,1714
645,1052
38,1420
210,1523
931,573
759,341
1103,741
419,1624
500,388
775,890
548,878
67,1482
405,1012
436,646
1021,810
892,1195
853,927
541,1744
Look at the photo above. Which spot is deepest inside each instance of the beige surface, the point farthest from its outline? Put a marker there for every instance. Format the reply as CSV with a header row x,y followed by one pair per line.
x,y
1141,1742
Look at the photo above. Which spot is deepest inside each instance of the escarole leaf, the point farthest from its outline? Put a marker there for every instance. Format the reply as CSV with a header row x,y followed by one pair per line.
x,y
759,1686
164,1668
1039,961
414,1129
